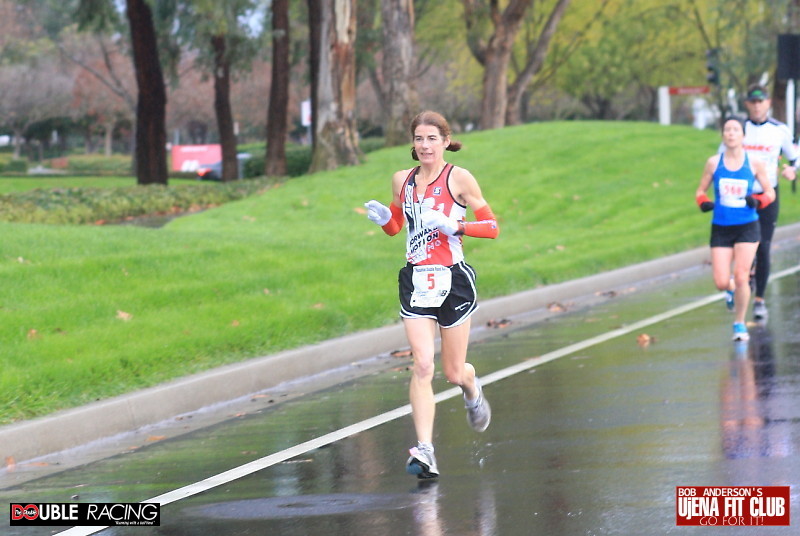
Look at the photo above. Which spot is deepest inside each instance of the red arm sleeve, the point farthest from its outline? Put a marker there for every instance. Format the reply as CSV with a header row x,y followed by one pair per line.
x,y
395,223
485,227
700,199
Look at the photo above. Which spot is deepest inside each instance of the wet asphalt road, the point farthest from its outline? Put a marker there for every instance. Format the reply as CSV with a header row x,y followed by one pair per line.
x,y
591,443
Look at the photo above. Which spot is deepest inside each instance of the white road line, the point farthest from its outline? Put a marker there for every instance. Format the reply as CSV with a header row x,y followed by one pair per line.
x,y
302,448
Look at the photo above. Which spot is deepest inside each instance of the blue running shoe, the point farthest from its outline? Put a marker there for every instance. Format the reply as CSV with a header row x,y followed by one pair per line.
x,y
740,332
729,299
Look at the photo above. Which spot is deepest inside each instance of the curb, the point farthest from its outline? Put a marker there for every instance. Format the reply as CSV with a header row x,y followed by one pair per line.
x,y
74,427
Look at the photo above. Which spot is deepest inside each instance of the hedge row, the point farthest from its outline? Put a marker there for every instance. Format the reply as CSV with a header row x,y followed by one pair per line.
x,y
108,205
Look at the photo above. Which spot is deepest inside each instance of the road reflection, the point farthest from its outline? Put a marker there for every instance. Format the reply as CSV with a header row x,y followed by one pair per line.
x,y
752,426
429,519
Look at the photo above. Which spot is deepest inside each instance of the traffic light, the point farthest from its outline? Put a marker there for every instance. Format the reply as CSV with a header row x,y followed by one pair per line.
x,y
712,66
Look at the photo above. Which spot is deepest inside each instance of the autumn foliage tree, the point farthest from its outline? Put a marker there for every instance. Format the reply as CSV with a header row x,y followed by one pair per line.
x,y
100,95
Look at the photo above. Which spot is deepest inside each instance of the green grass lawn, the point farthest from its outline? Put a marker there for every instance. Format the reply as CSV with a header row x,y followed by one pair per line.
x,y
88,312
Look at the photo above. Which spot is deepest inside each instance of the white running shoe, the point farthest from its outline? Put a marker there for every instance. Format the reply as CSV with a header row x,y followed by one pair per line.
x,y
422,462
760,310
479,413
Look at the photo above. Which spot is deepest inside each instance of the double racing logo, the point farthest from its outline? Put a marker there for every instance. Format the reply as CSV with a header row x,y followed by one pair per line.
x,y
85,514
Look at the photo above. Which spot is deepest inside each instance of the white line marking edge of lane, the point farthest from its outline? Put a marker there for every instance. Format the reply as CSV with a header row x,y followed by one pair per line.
x,y
343,433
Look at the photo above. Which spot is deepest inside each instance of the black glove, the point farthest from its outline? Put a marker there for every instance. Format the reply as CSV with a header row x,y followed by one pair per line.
x,y
707,206
752,202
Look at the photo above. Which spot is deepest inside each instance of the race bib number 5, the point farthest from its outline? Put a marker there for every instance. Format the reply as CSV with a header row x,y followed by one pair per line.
x,y
431,285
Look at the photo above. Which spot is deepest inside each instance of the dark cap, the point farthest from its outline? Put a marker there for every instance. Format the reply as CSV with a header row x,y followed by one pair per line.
x,y
757,93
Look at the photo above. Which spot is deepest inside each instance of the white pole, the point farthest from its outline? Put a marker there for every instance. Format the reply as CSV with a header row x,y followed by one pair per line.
x,y
664,111
790,103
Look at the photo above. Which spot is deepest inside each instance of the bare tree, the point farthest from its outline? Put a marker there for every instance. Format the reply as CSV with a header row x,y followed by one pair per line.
x,y
536,55
332,25
32,93
491,36
494,52
190,103
95,105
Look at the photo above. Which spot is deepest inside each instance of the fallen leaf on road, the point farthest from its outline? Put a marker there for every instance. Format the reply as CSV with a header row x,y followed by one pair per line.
x,y
644,340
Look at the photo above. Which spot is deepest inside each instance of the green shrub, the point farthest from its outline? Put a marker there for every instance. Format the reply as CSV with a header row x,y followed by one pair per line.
x,y
16,165
255,148
101,205
189,175
93,164
298,160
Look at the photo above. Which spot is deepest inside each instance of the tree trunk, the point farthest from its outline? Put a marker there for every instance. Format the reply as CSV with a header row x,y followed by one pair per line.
x,y
277,125
534,63
87,139
398,56
151,134
314,30
334,84
494,54
19,137
495,98
222,109
108,138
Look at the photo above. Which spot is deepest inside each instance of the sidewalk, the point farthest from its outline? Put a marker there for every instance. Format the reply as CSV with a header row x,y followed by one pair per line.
x,y
193,395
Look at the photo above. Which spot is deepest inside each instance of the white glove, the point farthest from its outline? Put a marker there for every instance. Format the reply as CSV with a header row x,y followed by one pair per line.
x,y
433,219
378,212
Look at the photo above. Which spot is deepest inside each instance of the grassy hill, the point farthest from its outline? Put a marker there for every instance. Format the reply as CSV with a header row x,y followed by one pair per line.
x,y
90,312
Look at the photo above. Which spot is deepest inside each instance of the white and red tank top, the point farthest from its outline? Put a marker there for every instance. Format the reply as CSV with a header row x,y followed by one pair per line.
x,y
425,245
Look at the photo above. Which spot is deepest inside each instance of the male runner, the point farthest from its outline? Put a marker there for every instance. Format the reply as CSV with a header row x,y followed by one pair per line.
x,y
766,139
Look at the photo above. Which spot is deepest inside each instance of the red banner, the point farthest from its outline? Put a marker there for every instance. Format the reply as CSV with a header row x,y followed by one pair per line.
x,y
191,157
747,506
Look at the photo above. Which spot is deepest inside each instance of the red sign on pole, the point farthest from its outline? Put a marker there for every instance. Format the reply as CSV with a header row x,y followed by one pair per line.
x,y
688,90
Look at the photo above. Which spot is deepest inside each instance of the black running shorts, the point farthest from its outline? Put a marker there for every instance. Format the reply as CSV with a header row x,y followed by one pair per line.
x,y
456,308
725,236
